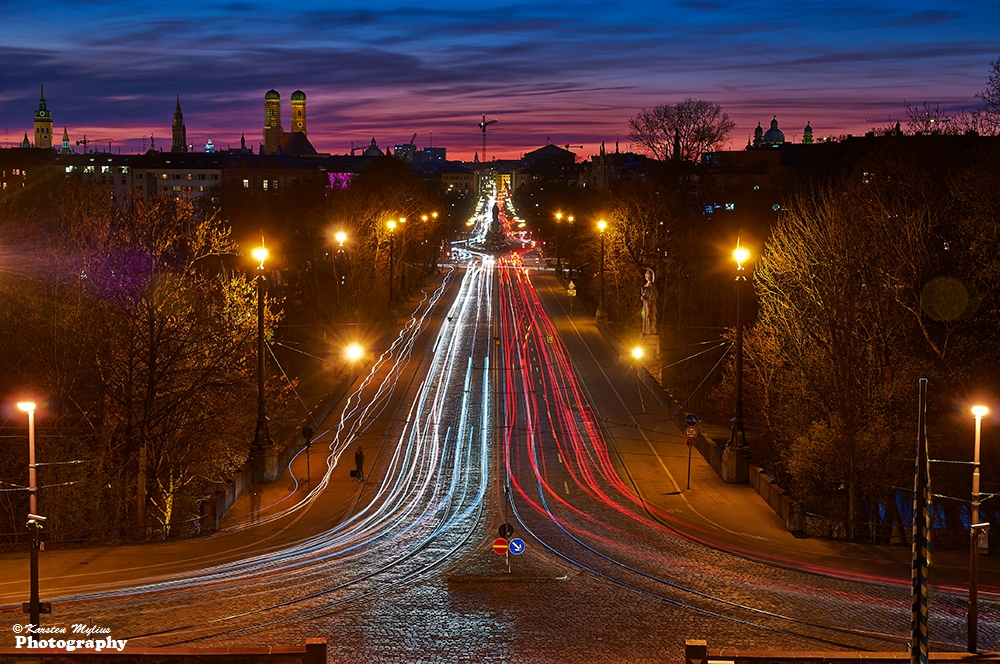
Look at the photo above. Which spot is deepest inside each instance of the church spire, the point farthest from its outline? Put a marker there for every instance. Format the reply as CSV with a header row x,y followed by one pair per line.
x,y
179,130
65,141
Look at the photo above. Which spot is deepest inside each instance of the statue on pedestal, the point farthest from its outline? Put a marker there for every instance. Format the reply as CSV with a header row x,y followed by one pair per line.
x,y
648,295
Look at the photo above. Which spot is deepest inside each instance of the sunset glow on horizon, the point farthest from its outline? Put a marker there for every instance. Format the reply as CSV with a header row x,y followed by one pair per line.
x,y
567,73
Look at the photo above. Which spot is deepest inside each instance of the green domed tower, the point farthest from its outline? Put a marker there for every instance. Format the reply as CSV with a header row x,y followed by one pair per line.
x,y
299,111
43,124
273,133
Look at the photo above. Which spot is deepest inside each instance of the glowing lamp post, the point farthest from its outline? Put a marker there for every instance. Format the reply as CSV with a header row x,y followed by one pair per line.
x,y
262,437
34,519
737,438
601,227
392,235
976,531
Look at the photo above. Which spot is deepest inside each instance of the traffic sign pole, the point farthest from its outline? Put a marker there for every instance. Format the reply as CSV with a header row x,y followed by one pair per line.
x,y
689,465
691,432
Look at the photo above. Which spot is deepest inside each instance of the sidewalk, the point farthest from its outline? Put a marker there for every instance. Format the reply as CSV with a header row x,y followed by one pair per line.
x,y
730,517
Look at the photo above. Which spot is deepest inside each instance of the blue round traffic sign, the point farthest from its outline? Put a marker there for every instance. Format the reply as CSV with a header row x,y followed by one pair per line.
x,y
516,546
691,419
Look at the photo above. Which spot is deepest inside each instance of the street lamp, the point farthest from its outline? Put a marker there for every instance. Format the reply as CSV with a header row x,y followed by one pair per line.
x,y
737,438
601,227
262,437
34,609
976,530
392,234
354,353
339,270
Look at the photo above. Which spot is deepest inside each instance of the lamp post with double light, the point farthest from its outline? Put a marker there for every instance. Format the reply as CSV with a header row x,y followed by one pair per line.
x,y
976,531
34,609
262,436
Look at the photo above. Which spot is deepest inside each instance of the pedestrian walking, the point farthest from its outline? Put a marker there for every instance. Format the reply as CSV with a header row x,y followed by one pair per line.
x,y
359,460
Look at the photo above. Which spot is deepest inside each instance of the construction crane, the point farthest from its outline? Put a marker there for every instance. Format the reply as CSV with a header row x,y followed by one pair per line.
x,y
87,141
483,125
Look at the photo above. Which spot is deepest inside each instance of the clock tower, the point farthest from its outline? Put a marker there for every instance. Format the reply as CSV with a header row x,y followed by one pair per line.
x,y
43,124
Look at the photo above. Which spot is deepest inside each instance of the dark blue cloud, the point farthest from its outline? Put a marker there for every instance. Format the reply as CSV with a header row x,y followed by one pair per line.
x,y
582,67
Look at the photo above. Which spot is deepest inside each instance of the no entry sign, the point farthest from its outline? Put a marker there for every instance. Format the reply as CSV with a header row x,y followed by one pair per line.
x,y
500,546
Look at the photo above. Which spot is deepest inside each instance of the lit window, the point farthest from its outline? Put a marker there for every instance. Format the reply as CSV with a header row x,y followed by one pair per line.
x,y
105,169
265,184
246,184
124,170
88,169
70,169
190,177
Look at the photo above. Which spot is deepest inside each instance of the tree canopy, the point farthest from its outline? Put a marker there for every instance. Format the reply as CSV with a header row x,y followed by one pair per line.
x,y
683,130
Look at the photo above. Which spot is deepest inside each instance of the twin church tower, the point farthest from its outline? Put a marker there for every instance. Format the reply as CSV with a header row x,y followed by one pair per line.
x,y
274,136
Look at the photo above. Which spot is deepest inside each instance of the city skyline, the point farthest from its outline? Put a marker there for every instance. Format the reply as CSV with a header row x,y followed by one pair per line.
x,y
565,73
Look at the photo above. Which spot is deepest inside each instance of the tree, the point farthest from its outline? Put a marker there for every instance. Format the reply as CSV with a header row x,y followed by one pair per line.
x,y
684,130
991,94
867,283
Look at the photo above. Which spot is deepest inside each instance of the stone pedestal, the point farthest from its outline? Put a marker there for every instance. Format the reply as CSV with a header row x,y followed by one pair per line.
x,y
735,466
264,466
651,346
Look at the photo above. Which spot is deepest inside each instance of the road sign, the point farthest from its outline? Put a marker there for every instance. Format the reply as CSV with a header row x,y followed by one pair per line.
x,y
571,292
549,338
691,432
505,530
500,546
691,419
690,442
571,285
516,546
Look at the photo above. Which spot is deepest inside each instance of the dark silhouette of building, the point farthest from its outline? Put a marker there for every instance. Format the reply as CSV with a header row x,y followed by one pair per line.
x,y
179,131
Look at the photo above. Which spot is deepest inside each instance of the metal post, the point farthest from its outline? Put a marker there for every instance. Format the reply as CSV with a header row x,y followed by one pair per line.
x,y
35,604
974,534
391,238
602,269
262,437
737,437
972,633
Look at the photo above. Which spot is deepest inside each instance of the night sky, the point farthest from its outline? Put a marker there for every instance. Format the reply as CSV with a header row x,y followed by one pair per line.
x,y
549,71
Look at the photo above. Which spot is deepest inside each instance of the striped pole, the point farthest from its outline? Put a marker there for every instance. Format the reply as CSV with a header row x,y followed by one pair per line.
x,y
921,536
